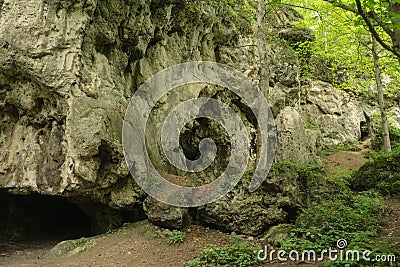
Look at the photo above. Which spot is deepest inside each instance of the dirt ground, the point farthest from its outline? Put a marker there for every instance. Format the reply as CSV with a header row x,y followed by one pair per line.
x,y
342,162
132,245
391,228
136,245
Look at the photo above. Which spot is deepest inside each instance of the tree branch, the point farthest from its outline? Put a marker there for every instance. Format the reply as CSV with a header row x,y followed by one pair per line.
x,y
373,31
382,24
342,6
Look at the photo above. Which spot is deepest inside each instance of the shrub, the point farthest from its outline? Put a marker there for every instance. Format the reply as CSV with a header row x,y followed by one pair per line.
x,y
175,237
321,224
377,140
382,173
240,253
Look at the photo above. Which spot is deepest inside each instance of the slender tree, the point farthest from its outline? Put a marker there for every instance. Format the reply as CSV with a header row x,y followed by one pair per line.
x,y
348,36
385,129
378,16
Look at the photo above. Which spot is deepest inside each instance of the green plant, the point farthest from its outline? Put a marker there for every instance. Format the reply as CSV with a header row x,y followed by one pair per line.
x,y
377,141
329,150
381,173
76,243
376,125
72,246
81,243
346,148
174,237
112,231
375,250
240,253
309,125
325,152
321,224
340,53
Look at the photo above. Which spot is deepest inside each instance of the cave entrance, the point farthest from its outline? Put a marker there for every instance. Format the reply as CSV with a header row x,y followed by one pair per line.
x,y
365,130
39,217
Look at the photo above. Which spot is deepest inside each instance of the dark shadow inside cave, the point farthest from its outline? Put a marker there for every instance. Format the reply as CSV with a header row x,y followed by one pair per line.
x,y
365,131
34,216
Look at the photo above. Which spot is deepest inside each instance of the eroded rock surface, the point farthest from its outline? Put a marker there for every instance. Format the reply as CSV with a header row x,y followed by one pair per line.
x,y
69,68
164,215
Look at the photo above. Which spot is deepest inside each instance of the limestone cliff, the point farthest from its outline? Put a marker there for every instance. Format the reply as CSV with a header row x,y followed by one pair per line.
x,y
69,67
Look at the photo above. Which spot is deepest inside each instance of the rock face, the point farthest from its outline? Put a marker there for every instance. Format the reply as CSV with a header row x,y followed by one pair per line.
x,y
290,130
337,115
395,118
69,68
164,215
67,71
278,199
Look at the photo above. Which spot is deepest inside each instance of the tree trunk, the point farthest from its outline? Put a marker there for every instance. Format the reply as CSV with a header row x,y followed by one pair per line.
x,y
394,7
385,129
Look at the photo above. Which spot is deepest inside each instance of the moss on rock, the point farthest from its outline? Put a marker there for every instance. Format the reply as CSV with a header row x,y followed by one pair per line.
x,y
382,174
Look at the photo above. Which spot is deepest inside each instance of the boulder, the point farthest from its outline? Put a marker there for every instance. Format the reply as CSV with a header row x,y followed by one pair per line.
x,y
381,174
294,143
165,215
277,233
277,201
338,117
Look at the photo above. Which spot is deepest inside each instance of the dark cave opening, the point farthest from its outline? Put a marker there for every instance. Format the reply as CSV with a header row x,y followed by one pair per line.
x,y
365,131
40,217
189,139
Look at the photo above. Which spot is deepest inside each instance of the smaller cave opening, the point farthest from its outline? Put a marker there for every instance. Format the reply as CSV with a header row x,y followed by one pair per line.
x,y
105,157
365,130
40,217
202,128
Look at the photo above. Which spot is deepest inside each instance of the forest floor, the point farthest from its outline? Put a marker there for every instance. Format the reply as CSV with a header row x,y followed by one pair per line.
x,y
342,162
137,244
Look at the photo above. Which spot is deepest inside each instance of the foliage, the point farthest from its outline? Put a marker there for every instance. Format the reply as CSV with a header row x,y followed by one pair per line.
x,y
240,253
321,224
341,51
381,173
173,237
325,152
311,175
356,218
77,246
315,184
346,148
381,18
377,140
81,242
307,175
332,149
112,231
309,125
